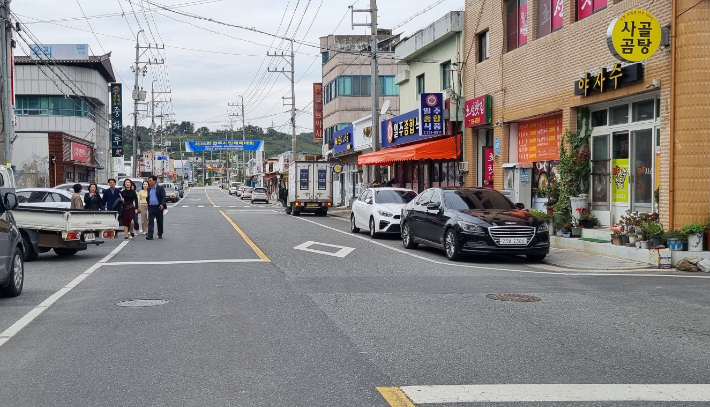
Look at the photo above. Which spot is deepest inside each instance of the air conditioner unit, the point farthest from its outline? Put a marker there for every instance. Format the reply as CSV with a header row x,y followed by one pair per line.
x,y
463,166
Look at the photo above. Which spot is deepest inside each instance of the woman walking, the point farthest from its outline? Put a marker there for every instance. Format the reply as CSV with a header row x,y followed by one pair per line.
x,y
143,201
136,225
92,199
130,207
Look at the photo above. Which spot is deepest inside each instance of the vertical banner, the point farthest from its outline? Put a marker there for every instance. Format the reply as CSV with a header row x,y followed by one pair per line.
x,y
584,9
488,172
523,22
558,19
322,177
431,114
116,120
620,180
318,112
303,178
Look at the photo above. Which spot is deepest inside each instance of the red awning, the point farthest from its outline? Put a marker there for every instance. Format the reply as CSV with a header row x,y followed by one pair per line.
x,y
441,149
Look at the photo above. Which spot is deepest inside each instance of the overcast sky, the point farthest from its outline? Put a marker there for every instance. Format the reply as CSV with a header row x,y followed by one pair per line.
x,y
209,65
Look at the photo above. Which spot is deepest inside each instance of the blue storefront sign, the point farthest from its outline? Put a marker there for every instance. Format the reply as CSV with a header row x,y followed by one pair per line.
x,y
431,114
400,129
224,145
343,140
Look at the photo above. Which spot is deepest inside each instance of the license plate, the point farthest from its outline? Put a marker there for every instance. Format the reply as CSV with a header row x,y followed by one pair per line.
x,y
312,204
89,237
513,240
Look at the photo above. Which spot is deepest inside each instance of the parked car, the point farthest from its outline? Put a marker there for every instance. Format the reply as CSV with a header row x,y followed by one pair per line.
x,y
69,187
473,221
259,194
44,197
379,210
137,181
179,188
12,272
171,194
233,188
246,192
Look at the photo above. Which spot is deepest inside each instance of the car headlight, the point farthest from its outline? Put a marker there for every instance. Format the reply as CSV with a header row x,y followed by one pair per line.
x,y
385,213
542,228
469,227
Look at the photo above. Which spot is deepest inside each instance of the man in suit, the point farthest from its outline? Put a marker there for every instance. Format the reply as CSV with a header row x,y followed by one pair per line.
x,y
156,205
111,195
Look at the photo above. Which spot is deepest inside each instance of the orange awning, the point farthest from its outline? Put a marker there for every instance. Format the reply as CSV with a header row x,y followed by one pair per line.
x,y
441,149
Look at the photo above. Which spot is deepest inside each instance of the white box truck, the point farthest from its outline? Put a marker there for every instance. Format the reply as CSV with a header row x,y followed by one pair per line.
x,y
310,187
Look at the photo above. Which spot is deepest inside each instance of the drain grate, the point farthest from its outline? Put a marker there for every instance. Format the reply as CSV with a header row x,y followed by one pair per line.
x,y
513,297
141,303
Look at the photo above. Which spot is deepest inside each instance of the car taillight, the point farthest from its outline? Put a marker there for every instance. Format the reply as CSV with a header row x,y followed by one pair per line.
x,y
298,203
109,234
73,236
330,204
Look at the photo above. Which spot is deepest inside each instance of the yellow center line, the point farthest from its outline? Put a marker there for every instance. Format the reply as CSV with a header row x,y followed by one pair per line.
x,y
395,397
251,244
208,197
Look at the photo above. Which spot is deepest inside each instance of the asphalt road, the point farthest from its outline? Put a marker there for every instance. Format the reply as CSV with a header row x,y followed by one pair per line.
x,y
263,309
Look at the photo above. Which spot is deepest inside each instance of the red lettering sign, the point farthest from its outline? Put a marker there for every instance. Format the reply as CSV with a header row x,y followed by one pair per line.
x,y
79,152
488,163
539,139
477,112
318,112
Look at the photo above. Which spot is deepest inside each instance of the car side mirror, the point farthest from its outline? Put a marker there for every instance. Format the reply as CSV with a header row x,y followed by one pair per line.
x,y
10,201
368,201
520,205
433,206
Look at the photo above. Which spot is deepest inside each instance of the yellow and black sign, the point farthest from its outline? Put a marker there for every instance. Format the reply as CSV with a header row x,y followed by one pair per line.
x,y
337,168
605,80
634,36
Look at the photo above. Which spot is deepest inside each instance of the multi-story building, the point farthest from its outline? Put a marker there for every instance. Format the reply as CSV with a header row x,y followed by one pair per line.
x,y
535,69
62,119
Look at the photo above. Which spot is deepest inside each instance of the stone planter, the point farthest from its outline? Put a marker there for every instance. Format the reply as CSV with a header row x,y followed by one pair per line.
x,y
695,242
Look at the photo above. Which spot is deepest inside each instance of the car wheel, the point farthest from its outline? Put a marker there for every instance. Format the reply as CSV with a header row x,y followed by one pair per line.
x,y
407,238
294,212
17,276
353,228
30,254
451,245
61,252
373,234
536,257
288,210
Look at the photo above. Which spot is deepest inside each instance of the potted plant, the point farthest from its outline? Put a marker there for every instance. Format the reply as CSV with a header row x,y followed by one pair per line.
x,y
616,234
694,232
574,169
567,230
674,240
653,230
544,217
631,233
551,191
586,219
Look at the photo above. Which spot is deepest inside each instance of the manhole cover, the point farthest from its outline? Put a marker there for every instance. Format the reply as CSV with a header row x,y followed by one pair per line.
x,y
513,297
141,303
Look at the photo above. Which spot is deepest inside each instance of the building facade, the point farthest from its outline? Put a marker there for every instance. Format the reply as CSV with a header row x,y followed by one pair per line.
x,y
62,121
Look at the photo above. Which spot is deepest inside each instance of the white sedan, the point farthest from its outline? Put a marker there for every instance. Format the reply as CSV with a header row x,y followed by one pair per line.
x,y
379,210
44,197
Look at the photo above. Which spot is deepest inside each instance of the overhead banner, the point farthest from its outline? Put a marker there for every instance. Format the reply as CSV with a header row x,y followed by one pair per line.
x,y
116,120
318,112
224,145
431,114
539,139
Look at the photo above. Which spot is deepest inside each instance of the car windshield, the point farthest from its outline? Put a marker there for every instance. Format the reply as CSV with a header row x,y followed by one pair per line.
x,y
260,190
394,196
248,189
168,186
465,199
234,184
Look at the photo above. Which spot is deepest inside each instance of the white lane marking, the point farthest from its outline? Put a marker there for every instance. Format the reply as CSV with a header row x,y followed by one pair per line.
x,y
185,206
215,206
200,206
7,334
157,263
510,393
342,252
232,206
576,273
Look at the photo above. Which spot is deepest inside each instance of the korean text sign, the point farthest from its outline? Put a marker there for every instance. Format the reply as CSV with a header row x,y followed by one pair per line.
x,y
605,80
343,140
431,114
224,145
322,177
478,111
634,36
116,120
400,129
317,112
488,163
79,152
539,139
620,180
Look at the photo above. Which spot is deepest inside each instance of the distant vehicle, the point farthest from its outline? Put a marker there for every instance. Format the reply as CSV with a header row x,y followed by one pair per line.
x,y
137,181
12,272
69,187
233,187
179,188
43,197
240,189
246,192
259,194
171,194
379,209
473,221
310,188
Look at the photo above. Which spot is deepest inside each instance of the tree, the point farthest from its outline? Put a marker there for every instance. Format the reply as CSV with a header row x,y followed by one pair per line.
x,y
202,130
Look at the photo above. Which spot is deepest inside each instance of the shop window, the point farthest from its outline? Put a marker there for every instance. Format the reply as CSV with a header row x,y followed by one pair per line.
x,y
641,111
420,85
345,86
446,73
483,46
599,118
69,176
549,16
436,171
517,13
586,8
82,177
619,114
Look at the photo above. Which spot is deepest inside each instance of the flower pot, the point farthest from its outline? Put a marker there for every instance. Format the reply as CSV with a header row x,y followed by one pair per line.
x,y
550,210
578,202
643,244
616,239
675,244
655,240
587,223
558,233
567,234
638,244
576,231
632,239
695,242
624,239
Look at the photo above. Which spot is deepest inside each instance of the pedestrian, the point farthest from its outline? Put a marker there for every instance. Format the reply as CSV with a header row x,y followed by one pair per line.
x,y
76,202
136,225
143,202
156,204
111,195
130,207
92,200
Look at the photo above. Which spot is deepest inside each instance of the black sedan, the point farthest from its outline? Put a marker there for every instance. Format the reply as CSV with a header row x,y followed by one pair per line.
x,y
473,221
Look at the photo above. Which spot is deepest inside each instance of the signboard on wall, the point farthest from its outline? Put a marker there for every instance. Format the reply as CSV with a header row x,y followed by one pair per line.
x,y
224,145
343,140
318,112
634,36
400,129
539,139
620,180
488,171
116,120
605,79
60,51
79,152
478,111
431,114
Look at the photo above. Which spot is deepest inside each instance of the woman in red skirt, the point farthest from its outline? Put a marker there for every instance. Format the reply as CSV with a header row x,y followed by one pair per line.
x,y
130,207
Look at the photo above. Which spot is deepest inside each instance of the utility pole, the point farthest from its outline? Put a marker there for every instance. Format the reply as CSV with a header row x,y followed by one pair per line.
x,y
152,123
139,94
244,133
293,92
7,126
374,75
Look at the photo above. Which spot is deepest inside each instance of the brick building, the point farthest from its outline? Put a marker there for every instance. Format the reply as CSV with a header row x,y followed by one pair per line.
x,y
529,56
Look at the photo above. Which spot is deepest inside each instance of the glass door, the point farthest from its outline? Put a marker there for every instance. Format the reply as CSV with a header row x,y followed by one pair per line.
x,y
641,177
601,181
620,195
